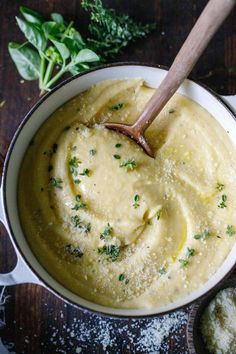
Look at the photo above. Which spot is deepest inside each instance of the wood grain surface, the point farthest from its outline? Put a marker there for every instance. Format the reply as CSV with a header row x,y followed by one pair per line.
x,y
33,314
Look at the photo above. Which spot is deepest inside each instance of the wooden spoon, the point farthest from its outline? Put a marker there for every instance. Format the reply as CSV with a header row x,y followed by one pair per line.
x,y
208,23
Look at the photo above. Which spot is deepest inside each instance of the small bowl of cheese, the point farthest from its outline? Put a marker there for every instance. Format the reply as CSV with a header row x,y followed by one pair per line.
x,y
212,321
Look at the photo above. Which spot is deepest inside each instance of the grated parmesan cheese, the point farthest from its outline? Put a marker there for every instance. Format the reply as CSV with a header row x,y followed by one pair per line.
x,y
218,324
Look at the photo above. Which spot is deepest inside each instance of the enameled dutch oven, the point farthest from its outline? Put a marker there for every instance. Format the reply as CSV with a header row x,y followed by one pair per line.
x,y
28,269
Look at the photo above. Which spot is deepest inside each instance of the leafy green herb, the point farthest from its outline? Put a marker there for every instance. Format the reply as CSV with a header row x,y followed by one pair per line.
x,y
117,157
162,271
86,172
136,200
129,164
112,251
74,251
92,152
206,234
183,262
172,110
111,32
73,166
79,204
118,145
117,107
56,182
77,223
55,47
26,59
190,252
158,214
107,232
74,148
74,162
220,187
121,277
230,231
223,200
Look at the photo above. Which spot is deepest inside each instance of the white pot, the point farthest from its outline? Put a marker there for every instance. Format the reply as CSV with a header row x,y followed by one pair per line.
x,y
28,269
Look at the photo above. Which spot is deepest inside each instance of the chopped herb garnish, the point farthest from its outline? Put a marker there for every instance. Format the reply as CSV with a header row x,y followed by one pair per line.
x,y
190,252
112,251
121,277
77,223
73,165
230,230
223,200
74,251
136,200
107,232
220,187
118,145
162,271
206,234
183,262
79,204
74,162
77,181
116,107
86,172
172,110
74,148
129,164
158,214
117,157
75,220
92,152
56,182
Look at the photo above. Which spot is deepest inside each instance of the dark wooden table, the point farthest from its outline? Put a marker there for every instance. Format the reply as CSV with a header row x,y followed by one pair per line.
x,y
37,321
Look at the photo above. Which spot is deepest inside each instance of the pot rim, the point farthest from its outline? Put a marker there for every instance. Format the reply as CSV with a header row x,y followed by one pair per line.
x,y
4,173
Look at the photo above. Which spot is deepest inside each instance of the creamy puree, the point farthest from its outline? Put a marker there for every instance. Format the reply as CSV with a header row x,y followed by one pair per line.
x,y
139,235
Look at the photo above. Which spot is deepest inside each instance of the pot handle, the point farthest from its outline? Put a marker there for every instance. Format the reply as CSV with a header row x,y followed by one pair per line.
x,y
21,273
230,101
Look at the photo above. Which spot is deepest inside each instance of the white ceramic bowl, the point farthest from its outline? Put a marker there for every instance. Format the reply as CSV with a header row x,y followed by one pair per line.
x,y
28,269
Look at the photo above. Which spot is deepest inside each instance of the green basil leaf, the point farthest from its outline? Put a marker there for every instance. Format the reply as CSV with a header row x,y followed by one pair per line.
x,y
34,34
79,68
76,36
58,18
86,56
31,15
26,59
61,47
51,28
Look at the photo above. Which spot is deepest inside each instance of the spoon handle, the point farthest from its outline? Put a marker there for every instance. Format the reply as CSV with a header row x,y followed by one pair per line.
x,y
207,24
